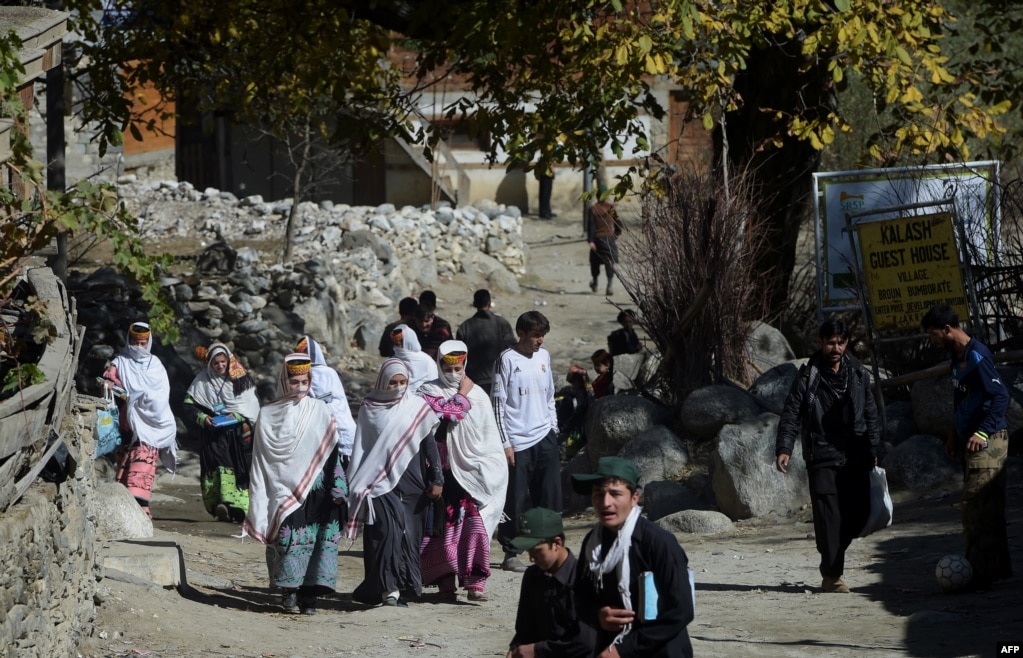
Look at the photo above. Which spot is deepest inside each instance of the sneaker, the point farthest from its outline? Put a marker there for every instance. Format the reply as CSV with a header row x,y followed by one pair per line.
x,y
289,601
222,513
478,597
308,606
593,286
512,563
834,585
394,602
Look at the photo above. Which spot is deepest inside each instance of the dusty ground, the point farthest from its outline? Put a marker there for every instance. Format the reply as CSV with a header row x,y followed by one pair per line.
x,y
756,586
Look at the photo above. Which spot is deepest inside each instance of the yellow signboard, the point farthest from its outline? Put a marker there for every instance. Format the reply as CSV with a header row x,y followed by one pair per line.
x,y
910,264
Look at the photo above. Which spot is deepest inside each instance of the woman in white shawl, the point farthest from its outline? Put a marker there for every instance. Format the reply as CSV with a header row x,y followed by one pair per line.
x,y
327,387
147,423
475,479
394,474
406,347
222,403
297,490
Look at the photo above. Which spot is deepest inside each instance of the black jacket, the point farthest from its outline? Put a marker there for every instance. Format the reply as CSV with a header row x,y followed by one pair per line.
x,y
656,550
486,335
804,412
548,615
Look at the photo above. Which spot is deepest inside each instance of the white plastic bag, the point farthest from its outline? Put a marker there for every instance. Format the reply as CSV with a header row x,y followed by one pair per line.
x,y
880,503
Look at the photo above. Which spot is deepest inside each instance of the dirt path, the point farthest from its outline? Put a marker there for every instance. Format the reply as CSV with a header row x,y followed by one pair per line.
x,y
756,586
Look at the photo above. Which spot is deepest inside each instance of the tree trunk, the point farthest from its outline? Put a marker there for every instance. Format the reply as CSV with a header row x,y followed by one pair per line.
x,y
296,198
774,83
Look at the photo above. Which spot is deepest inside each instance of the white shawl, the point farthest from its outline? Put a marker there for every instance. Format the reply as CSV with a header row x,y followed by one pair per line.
x,y
392,424
475,455
149,413
292,439
421,367
327,386
208,388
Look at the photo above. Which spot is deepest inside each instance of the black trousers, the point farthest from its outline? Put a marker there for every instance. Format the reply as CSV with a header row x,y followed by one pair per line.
x,y
534,481
546,189
840,497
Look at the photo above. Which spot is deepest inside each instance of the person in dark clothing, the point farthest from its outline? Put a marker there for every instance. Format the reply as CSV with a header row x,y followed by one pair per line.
x,y
430,329
831,408
624,340
407,310
980,438
602,230
616,556
486,335
546,189
604,364
547,622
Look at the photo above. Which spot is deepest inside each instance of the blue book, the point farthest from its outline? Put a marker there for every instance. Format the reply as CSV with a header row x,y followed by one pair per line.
x,y
647,597
224,421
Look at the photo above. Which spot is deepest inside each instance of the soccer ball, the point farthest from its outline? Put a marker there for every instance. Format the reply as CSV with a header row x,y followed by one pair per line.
x,y
954,573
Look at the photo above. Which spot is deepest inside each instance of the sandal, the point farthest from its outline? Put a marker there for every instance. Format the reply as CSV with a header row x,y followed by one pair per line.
x,y
478,597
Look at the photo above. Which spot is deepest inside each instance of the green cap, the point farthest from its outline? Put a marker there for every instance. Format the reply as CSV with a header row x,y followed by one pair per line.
x,y
607,467
535,526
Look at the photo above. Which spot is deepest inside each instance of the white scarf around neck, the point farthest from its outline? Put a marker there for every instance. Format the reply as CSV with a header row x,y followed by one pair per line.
x,y
617,559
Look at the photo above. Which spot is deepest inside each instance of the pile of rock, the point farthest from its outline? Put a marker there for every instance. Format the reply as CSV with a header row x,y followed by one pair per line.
x,y
414,244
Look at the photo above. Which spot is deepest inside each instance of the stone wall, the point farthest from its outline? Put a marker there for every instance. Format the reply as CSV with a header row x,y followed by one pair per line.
x,y
48,570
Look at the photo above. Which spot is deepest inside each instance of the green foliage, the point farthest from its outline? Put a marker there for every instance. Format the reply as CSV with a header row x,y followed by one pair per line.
x,y
553,80
33,215
22,376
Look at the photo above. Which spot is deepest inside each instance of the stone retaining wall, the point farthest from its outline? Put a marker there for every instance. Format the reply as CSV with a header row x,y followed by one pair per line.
x,y
48,570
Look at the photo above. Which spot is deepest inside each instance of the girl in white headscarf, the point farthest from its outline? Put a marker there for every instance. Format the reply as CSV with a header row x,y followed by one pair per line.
x,y
406,347
394,474
475,478
222,403
297,490
147,423
327,387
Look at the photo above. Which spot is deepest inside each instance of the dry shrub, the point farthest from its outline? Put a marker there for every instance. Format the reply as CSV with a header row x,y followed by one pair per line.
x,y
689,268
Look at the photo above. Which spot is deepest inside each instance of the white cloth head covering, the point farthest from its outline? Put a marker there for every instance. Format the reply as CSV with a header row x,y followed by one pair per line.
x,y
149,413
421,367
392,424
475,455
208,388
326,386
292,439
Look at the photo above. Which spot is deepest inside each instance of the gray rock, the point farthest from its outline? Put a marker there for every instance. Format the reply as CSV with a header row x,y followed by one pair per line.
x,y
385,209
708,409
932,405
918,463
772,387
289,322
104,352
899,423
325,321
745,481
662,498
253,326
423,272
362,238
571,501
696,522
614,420
118,514
767,347
629,369
657,453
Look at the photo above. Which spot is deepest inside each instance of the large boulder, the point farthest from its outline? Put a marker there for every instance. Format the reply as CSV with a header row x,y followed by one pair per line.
x,y
745,481
767,347
629,370
571,502
771,388
118,514
710,408
899,421
932,405
657,453
659,499
918,463
696,522
615,419
325,321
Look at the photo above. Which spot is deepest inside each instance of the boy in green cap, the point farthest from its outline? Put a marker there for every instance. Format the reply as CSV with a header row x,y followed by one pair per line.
x,y
547,622
623,549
